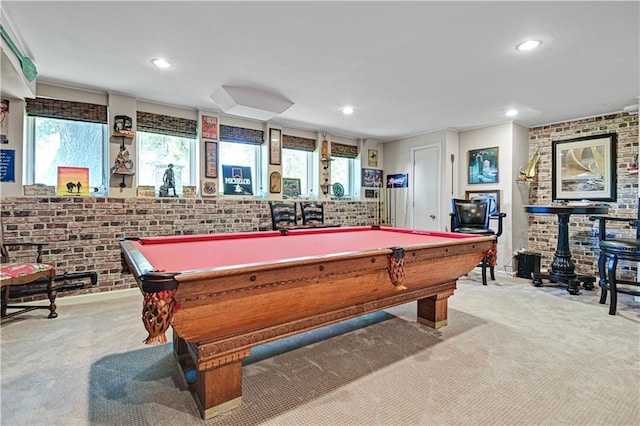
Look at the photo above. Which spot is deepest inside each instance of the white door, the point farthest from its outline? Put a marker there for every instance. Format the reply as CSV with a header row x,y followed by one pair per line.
x,y
426,188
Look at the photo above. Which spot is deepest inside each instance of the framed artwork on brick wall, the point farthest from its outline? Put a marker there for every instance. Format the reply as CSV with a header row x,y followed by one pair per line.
x,y
584,168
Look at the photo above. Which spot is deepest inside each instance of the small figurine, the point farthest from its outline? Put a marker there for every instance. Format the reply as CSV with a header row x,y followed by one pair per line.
x,y
168,182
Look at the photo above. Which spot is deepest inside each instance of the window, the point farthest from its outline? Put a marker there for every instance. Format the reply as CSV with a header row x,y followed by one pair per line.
x,y
241,154
342,171
297,164
53,142
156,152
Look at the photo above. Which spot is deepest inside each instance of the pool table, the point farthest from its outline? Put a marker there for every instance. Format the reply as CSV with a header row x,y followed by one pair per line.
x,y
225,293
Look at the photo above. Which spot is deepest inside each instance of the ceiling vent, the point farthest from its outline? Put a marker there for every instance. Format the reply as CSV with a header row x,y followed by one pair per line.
x,y
250,103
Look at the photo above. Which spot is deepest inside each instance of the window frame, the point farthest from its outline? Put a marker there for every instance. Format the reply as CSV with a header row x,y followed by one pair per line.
x,y
311,182
258,186
193,158
29,153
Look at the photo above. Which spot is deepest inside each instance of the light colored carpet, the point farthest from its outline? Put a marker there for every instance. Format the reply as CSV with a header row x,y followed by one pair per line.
x,y
512,354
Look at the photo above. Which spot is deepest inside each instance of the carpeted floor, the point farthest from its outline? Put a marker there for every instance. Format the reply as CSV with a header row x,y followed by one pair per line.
x,y
512,354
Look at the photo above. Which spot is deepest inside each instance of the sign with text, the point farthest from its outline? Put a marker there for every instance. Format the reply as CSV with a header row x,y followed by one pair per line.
x,y
7,165
236,180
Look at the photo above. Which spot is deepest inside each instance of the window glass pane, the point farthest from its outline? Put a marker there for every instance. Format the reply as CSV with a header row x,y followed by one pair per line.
x,y
239,154
70,143
295,164
156,152
341,171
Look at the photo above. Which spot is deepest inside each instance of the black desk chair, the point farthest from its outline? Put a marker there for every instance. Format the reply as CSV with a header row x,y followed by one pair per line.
x,y
473,217
624,246
283,215
312,213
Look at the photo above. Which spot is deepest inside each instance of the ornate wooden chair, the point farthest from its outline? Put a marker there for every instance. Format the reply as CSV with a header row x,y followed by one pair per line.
x,y
24,273
623,245
312,213
474,217
283,215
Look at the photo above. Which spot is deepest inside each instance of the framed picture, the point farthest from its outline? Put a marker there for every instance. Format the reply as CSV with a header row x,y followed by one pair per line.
x,y
483,165
373,158
211,159
73,181
146,191
275,146
4,121
189,191
494,195
371,193
290,187
371,178
584,168
275,183
209,127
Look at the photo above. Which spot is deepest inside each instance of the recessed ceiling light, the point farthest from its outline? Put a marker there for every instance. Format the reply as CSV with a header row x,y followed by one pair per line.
x,y
528,45
511,112
161,63
347,110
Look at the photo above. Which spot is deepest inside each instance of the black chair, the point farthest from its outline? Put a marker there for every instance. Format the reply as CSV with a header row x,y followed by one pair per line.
x,y
312,213
473,217
625,245
283,215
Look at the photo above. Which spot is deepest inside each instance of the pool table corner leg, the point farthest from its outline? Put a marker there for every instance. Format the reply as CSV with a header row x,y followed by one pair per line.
x,y
219,389
432,311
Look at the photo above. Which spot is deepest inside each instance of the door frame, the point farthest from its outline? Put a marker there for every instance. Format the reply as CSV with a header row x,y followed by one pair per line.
x,y
438,174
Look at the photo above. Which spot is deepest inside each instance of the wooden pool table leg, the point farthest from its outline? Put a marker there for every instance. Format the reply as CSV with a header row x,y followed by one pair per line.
x,y
219,384
432,311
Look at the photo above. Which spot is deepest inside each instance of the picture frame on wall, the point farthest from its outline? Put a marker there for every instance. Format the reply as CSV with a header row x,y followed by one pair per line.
x,y
209,127
493,195
211,159
584,168
275,183
483,165
371,178
275,147
290,187
372,158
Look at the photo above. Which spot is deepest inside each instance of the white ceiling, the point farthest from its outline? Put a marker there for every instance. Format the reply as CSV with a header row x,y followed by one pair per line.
x,y
405,67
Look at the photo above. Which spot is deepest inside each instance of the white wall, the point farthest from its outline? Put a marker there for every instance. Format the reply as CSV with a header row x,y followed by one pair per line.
x,y
520,190
397,159
502,137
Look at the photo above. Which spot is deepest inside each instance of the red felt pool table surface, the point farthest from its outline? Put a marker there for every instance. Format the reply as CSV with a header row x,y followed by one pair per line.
x,y
197,252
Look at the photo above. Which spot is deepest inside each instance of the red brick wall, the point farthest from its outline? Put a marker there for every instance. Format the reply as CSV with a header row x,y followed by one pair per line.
x,y
583,236
83,232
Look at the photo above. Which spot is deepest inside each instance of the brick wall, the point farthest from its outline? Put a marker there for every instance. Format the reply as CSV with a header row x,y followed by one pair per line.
x,y
583,234
83,232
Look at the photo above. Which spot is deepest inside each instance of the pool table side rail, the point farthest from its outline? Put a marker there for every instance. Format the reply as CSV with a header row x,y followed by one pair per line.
x,y
240,300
